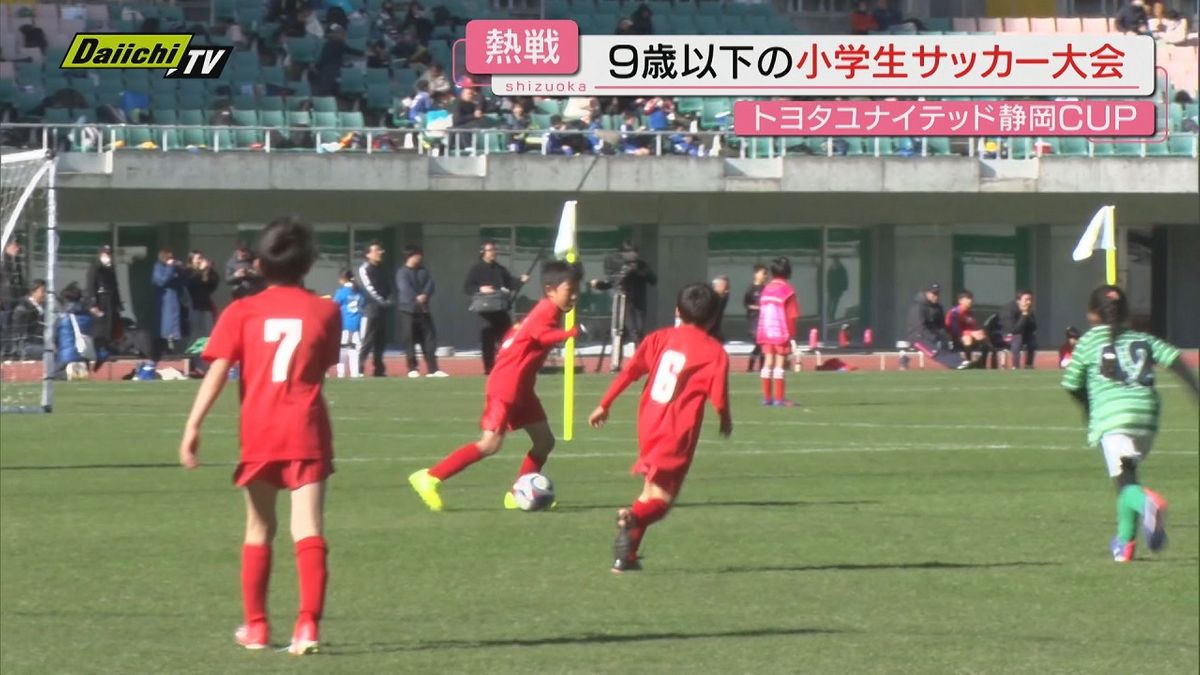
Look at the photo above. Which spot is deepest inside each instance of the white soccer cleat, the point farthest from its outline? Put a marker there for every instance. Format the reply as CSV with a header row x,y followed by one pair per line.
x,y
438,373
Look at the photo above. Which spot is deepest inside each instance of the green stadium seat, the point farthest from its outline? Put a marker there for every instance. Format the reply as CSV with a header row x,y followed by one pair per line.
x,y
937,146
760,147
379,97
377,76
1073,146
222,139
324,104
352,82
1020,148
1159,149
325,119
549,106
246,139
1127,149
195,137
296,102
245,118
351,121
304,51
690,105
164,116
817,146
272,118
539,120
299,118
136,136
270,103
171,139
854,146
191,117
8,91
1182,145
244,102
1102,150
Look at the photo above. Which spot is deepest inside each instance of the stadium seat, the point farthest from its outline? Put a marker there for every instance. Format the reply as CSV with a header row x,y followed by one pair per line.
x,y
1127,149
324,104
1159,149
303,51
164,116
195,137
990,25
1020,148
549,106
270,103
191,117
854,146
325,120
964,23
221,139
247,139
937,146
299,118
1182,145
760,147
1017,24
351,121
352,82
244,102
271,118
136,136
1095,25
379,97
245,118
1102,150
1072,146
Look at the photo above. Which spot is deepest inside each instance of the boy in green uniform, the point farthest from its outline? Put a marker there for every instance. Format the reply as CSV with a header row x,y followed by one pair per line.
x,y
1112,375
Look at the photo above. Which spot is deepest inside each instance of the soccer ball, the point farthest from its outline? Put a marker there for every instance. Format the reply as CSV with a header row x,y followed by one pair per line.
x,y
533,492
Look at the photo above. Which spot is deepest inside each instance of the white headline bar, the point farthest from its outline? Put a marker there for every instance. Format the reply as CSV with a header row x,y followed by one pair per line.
x,y
841,65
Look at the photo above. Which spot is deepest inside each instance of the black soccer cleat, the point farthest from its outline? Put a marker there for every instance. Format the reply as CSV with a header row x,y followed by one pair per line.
x,y
624,557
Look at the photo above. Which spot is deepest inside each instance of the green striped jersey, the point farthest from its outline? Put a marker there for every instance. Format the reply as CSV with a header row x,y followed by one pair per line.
x,y
1128,402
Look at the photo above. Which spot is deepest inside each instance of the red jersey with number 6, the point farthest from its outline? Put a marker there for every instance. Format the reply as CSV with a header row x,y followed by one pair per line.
x,y
687,367
284,340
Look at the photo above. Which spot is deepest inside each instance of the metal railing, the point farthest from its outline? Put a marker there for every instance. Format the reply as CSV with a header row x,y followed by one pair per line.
x,y
465,142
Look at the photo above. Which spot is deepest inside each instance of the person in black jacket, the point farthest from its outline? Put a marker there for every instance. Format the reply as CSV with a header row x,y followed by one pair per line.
x,y
12,282
202,283
750,303
630,274
927,322
104,298
28,328
376,284
720,286
1020,328
241,275
488,276
414,288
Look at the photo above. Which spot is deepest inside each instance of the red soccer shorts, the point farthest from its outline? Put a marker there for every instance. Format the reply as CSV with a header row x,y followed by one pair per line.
x,y
505,416
670,480
285,474
781,350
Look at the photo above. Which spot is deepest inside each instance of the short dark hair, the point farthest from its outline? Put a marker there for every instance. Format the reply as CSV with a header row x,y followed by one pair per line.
x,y
1023,292
628,246
781,268
697,305
965,294
285,250
36,284
412,249
345,274
72,293
555,272
373,242
759,267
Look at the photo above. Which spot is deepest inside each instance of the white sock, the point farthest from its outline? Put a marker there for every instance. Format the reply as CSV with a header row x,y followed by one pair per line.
x,y
765,373
354,355
777,374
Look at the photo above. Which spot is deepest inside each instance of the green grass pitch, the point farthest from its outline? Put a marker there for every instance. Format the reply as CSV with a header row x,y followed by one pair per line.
x,y
894,523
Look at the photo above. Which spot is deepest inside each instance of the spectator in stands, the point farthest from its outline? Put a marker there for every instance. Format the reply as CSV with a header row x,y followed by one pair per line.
x,y
927,322
659,113
27,331
861,19
387,24
241,274
435,77
202,283
592,143
631,142
684,143
74,315
517,120
376,284
12,280
1019,325
885,16
720,286
968,337
578,106
557,142
170,289
1166,24
378,57
104,298
414,288
329,63
1131,18
750,302
418,19
643,20
625,26
488,277
422,103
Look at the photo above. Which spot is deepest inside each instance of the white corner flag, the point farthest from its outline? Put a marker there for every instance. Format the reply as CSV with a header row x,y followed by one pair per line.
x,y
565,248
1099,234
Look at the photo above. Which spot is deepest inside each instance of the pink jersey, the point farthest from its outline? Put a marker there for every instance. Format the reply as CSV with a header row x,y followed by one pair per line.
x,y
777,313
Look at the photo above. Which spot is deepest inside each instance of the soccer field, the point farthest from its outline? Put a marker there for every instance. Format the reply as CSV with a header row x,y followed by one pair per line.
x,y
894,523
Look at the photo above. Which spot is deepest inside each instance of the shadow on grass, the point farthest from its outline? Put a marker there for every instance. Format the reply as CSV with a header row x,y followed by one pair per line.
x,y
870,567
62,467
716,504
567,640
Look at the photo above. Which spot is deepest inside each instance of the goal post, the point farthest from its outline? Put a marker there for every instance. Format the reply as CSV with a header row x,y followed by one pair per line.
x,y
29,244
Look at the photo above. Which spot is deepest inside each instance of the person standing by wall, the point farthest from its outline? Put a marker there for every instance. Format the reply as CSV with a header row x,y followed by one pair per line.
x,y
376,284
12,282
28,327
720,286
491,287
202,283
750,301
104,297
243,279
170,289
414,288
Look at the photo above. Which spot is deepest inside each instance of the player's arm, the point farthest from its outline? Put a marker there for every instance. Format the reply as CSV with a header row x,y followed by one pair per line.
x,y
719,394
333,342
1075,376
633,371
792,313
1168,355
364,280
547,334
210,390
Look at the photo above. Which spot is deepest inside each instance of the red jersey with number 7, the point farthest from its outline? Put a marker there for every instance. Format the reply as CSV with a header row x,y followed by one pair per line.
x,y
284,339
687,367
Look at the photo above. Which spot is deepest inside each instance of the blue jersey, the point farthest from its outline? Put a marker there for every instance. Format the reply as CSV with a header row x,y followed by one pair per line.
x,y
350,299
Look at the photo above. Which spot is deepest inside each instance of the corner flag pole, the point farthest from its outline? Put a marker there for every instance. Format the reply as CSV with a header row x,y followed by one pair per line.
x,y
1100,233
565,247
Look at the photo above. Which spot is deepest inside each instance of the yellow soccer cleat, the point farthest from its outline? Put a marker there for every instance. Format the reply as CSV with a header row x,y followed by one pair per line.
x,y
426,487
510,502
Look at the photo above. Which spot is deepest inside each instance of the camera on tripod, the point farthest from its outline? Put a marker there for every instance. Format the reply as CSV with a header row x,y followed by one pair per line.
x,y
618,267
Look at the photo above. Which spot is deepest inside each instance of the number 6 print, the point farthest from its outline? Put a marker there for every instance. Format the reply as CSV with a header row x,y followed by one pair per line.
x,y
667,376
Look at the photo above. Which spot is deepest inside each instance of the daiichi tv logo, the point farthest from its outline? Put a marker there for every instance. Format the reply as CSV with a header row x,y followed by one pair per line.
x,y
172,52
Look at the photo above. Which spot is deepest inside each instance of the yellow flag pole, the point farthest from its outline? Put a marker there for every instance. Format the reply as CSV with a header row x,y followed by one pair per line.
x,y
1110,255
569,372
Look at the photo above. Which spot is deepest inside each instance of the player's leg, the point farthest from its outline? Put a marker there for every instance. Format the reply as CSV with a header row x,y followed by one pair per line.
x,y
308,510
778,373
541,440
408,341
343,354
355,353
1154,508
367,330
650,507
427,482
429,345
1121,457
256,563
764,375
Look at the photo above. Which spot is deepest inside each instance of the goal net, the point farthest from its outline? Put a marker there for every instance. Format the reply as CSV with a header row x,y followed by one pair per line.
x,y
28,251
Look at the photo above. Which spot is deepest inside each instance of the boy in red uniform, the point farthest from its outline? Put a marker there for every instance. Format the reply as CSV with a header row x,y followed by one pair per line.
x,y
689,368
284,338
511,403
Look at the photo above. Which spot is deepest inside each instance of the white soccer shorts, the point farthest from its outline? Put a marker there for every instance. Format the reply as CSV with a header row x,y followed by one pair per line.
x,y
351,339
1116,446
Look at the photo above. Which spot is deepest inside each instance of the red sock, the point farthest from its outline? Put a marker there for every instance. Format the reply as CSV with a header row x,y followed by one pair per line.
x,y
646,514
310,568
766,385
456,461
779,388
256,572
531,464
